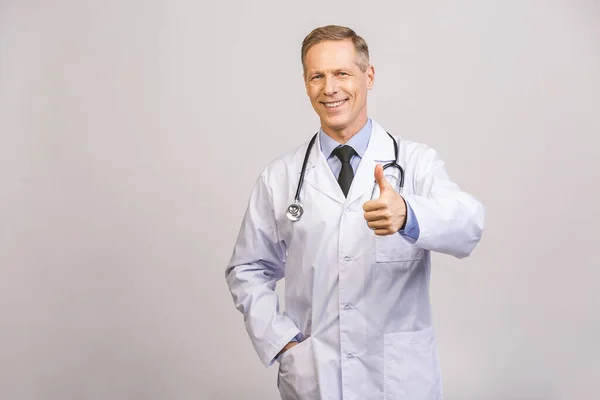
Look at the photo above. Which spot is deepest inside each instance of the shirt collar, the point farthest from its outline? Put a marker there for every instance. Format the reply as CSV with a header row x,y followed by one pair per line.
x,y
359,142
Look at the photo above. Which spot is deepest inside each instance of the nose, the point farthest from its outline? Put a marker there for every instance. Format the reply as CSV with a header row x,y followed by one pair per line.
x,y
330,86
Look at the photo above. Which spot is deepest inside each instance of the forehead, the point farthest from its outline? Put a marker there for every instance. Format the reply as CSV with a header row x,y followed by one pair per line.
x,y
330,55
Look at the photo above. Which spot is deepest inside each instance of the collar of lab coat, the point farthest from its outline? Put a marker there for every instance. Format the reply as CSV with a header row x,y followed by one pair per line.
x,y
319,175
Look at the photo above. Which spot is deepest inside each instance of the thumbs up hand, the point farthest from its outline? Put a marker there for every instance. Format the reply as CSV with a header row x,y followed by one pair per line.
x,y
387,214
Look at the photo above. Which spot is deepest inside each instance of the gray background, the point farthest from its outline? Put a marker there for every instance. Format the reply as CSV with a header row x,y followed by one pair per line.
x,y
132,132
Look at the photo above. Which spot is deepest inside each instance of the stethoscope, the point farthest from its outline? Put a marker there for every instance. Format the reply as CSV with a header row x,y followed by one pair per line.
x,y
295,210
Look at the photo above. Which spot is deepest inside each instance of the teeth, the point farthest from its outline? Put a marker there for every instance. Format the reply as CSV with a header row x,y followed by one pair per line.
x,y
334,104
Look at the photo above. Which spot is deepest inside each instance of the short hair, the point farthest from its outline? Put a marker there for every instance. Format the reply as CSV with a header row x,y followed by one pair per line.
x,y
336,32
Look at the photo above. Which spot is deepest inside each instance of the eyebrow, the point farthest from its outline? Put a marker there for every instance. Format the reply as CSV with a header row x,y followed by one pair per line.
x,y
315,72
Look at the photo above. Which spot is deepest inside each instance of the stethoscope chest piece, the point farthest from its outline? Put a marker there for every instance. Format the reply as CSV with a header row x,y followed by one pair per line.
x,y
294,212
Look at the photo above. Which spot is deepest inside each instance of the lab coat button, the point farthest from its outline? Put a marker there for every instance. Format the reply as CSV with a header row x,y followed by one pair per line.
x,y
350,356
347,258
347,307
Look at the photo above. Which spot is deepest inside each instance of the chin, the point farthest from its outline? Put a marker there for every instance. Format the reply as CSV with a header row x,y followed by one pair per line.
x,y
336,123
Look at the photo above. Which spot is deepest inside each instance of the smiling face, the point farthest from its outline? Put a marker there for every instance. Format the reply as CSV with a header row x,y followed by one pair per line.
x,y
337,87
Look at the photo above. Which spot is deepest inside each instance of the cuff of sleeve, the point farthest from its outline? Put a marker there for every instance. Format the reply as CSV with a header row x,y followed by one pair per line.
x,y
411,229
293,335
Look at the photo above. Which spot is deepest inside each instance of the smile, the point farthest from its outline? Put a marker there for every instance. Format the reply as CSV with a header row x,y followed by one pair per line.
x,y
335,104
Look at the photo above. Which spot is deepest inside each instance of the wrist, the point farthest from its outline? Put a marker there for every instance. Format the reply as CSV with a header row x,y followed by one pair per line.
x,y
288,346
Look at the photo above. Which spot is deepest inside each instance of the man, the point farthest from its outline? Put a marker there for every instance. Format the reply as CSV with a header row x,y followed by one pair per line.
x,y
358,320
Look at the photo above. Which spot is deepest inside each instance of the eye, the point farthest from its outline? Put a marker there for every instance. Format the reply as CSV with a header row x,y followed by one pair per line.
x,y
315,77
342,73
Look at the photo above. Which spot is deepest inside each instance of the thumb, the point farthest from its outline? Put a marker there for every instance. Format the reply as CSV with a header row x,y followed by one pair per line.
x,y
380,179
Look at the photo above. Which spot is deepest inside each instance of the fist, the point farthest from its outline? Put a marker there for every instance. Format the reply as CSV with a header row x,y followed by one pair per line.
x,y
387,214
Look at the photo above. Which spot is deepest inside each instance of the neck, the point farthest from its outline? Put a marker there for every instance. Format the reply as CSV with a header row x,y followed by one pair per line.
x,y
344,134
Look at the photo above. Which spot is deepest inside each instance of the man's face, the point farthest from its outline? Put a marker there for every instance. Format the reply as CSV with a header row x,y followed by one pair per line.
x,y
337,88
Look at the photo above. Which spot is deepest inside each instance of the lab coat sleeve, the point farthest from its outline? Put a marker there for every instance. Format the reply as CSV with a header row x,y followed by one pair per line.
x,y
255,267
450,220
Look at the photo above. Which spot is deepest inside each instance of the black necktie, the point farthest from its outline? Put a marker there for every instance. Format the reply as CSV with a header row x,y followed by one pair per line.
x,y
345,153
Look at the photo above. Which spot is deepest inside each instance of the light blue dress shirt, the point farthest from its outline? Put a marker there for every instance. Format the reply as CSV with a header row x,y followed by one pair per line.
x,y
359,143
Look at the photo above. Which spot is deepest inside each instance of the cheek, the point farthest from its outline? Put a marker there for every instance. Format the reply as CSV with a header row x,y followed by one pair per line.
x,y
360,93
313,98
313,94
352,89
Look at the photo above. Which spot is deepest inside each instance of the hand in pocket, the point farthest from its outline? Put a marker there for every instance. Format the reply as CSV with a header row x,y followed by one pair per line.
x,y
297,376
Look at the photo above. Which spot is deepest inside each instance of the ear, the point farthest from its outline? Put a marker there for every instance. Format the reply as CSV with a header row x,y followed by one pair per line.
x,y
370,77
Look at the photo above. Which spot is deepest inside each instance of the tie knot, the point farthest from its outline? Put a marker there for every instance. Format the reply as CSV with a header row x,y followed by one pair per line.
x,y
344,153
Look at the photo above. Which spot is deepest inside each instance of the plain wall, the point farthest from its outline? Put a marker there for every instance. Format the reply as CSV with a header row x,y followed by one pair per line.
x,y
131,133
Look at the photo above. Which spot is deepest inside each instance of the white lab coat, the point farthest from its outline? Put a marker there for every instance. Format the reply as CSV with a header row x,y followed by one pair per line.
x,y
361,301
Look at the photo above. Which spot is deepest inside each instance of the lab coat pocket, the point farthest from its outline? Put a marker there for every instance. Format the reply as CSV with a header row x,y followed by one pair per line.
x,y
393,248
411,366
297,375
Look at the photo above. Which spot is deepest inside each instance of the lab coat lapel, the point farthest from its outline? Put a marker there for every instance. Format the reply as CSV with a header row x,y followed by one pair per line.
x,y
379,151
319,175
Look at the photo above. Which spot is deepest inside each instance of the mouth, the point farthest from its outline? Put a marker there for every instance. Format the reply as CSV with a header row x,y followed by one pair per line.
x,y
334,104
